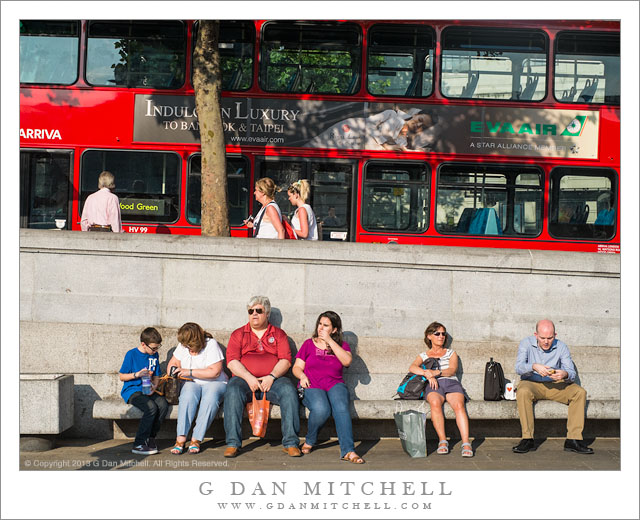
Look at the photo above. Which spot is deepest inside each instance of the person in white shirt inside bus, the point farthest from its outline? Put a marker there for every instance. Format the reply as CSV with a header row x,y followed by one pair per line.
x,y
101,211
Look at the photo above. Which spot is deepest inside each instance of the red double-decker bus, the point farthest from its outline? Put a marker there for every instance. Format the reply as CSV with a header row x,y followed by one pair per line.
x,y
472,133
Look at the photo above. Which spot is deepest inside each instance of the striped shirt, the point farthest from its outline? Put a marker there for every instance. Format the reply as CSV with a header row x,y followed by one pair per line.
x,y
444,362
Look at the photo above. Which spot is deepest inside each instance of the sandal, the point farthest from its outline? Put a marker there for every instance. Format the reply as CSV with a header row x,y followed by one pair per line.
x,y
178,448
194,447
466,450
353,457
306,448
443,448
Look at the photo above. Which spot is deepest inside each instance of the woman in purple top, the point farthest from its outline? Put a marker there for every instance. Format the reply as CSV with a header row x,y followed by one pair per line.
x,y
318,366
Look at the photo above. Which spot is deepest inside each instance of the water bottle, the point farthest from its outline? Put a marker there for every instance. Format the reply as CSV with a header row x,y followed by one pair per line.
x,y
146,385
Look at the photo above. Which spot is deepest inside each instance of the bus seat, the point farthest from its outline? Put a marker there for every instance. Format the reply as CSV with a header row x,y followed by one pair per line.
x,y
580,215
530,88
235,79
352,84
468,91
294,81
606,217
589,91
568,95
411,89
493,226
479,222
312,87
465,220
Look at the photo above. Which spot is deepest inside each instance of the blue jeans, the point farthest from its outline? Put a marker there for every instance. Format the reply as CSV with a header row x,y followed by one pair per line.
x,y
321,405
282,393
154,409
208,396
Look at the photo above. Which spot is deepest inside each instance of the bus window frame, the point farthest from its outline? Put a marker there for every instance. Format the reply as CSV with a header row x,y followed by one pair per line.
x,y
190,159
352,192
79,50
187,58
70,183
507,186
254,58
555,55
263,57
426,183
134,221
547,57
395,26
583,171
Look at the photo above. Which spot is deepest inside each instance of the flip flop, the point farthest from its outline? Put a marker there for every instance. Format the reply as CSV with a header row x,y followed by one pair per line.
x,y
466,450
306,449
178,448
443,448
194,447
353,457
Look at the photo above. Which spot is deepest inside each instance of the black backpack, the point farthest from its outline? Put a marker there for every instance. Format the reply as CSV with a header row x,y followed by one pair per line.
x,y
412,385
493,381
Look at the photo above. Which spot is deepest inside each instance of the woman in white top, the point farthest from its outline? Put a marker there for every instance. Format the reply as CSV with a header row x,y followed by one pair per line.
x,y
268,221
304,219
199,358
443,384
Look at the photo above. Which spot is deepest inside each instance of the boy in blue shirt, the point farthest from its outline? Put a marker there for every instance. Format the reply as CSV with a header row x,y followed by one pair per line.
x,y
138,362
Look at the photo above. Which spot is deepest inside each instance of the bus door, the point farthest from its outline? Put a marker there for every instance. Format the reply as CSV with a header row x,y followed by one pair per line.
x,y
331,196
45,186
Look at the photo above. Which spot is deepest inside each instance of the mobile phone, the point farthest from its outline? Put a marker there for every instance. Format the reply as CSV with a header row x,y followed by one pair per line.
x,y
250,218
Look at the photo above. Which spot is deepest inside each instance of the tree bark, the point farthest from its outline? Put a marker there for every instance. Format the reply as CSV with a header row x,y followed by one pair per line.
x,y
207,83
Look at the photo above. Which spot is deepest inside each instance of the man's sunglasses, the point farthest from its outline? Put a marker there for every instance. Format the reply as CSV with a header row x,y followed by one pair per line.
x,y
258,311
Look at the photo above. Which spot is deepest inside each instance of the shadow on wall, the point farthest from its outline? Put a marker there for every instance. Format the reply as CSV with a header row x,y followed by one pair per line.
x,y
358,369
84,396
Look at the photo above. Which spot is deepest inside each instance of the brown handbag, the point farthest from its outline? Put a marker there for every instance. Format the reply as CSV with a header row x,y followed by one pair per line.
x,y
170,387
258,413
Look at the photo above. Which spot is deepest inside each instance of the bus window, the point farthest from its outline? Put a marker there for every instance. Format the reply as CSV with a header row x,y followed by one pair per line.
x,y
49,51
331,188
136,54
505,64
400,60
583,203
489,200
237,190
147,183
44,188
395,197
307,57
587,68
236,44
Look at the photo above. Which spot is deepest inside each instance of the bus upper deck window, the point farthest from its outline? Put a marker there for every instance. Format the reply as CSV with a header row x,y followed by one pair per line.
x,y
136,54
49,51
497,63
587,68
313,58
400,60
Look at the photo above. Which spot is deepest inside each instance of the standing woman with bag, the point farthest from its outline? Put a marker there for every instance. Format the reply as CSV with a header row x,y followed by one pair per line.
x,y
319,365
268,221
198,357
304,219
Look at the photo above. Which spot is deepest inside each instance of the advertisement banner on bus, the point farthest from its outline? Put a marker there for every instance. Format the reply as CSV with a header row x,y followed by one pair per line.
x,y
376,126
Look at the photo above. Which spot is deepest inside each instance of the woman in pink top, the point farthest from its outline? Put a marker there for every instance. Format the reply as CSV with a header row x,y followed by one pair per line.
x,y
318,366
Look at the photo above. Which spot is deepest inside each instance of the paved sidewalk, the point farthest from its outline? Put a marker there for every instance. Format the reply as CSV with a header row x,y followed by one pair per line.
x,y
382,455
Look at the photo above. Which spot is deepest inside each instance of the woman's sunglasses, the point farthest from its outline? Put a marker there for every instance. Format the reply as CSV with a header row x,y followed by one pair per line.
x,y
439,334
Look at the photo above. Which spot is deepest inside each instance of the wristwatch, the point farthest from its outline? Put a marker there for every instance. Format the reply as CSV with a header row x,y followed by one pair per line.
x,y
274,377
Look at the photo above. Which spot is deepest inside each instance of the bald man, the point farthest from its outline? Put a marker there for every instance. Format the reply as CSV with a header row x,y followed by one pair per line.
x,y
547,371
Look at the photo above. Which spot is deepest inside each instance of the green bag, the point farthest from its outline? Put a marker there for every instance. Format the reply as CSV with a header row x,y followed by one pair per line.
x,y
411,427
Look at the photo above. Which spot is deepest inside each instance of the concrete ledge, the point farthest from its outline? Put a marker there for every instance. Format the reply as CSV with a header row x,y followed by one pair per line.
x,y
115,408
46,403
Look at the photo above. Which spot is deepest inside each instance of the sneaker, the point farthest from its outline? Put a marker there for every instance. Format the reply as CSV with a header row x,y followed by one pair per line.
x,y
151,442
144,449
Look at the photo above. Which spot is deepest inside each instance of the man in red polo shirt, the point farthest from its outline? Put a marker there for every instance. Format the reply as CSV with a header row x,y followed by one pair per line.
x,y
258,355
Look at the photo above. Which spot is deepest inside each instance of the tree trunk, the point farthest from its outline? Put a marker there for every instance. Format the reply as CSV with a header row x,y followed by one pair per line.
x,y
207,83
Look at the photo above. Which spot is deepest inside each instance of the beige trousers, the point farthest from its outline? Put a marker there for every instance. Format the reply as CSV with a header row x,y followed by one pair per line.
x,y
567,393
